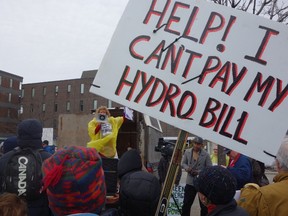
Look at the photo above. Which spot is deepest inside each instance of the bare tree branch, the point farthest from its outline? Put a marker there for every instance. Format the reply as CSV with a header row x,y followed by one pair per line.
x,y
263,6
246,5
283,17
273,9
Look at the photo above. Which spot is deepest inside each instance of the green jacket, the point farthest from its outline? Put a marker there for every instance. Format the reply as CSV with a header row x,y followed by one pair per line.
x,y
270,200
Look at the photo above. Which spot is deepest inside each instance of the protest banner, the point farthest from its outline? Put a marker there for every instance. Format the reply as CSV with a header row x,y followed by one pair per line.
x,y
205,68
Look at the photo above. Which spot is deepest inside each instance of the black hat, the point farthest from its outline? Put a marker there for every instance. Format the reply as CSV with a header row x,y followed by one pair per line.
x,y
226,150
217,184
30,133
198,140
129,161
30,129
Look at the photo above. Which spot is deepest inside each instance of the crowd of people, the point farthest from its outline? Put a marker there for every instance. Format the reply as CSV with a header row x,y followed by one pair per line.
x,y
73,180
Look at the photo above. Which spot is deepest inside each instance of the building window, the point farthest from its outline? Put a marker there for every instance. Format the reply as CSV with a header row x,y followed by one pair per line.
x,y
11,83
22,93
55,107
9,112
21,109
9,97
94,106
44,90
32,92
0,80
43,107
31,108
69,88
109,104
56,90
81,105
20,85
68,106
82,88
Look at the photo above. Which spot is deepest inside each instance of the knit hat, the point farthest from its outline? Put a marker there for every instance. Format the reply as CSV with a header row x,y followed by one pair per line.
x,y
30,133
217,184
75,181
9,144
130,161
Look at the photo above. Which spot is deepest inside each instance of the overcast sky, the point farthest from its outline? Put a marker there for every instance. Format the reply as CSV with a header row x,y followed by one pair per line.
x,y
48,40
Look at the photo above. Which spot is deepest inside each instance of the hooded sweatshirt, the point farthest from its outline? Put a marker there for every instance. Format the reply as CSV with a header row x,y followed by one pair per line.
x,y
139,190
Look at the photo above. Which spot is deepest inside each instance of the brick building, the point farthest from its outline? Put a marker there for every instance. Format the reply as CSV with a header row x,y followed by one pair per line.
x,y
10,92
47,100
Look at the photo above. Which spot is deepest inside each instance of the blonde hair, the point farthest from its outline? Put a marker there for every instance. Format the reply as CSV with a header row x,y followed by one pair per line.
x,y
11,204
103,108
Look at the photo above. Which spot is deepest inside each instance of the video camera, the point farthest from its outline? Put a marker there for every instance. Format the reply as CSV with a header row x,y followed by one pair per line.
x,y
166,148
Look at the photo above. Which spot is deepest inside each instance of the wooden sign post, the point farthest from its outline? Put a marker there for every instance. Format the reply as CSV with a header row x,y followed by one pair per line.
x,y
171,174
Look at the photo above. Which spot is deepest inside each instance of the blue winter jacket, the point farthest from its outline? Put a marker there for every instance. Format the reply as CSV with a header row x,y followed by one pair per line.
x,y
242,171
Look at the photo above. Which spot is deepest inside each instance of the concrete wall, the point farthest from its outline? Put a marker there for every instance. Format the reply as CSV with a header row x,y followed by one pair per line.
x,y
72,129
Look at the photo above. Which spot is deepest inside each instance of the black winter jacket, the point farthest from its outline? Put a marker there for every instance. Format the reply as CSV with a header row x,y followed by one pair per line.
x,y
139,190
39,207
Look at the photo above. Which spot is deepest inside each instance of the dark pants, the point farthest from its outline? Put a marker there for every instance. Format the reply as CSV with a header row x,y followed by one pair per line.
x,y
189,196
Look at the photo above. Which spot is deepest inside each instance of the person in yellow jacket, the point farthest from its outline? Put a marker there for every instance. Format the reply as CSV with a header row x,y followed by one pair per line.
x,y
214,156
103,131
272,199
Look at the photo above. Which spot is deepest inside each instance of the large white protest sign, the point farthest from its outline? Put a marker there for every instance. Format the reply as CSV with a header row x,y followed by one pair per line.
x,y
205,68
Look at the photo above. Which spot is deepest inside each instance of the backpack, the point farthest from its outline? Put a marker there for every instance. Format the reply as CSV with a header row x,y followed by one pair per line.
x,y
22,173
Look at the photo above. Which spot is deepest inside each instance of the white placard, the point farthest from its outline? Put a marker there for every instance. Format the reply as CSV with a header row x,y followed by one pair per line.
x,y
48,135
205,68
